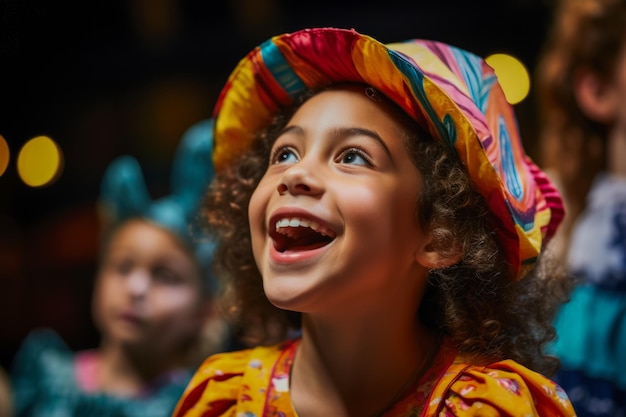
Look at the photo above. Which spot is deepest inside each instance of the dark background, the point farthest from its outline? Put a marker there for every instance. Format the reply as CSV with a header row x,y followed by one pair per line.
x,y
104,78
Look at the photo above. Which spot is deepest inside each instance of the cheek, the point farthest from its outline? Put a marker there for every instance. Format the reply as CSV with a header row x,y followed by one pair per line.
x,y
257,202
385,203
177,299
175,305
175,318
104,294
107,288
361,205
387,212
257,210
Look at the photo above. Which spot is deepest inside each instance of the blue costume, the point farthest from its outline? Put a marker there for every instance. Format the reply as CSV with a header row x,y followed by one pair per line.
x,y
591,328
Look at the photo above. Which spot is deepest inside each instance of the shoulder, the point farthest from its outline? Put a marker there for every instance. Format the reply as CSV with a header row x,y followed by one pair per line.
x,y
43,340
42,368
215,387
42,351
501,388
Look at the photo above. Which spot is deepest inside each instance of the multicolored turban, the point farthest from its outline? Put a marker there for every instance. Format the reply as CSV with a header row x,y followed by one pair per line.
x,y
454,94
124,194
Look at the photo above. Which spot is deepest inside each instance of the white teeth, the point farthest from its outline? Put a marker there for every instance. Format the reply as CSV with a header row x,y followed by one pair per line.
x,y
297,222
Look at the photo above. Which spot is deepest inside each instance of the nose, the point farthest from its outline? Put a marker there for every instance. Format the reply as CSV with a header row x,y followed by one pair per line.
x,y
138,283
301,178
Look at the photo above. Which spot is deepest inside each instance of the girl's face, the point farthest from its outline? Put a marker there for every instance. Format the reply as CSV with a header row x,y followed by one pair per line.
x,y
148,290
333,219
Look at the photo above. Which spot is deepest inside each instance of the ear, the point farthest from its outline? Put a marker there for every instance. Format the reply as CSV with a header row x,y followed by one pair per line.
x,y
596,97
431,258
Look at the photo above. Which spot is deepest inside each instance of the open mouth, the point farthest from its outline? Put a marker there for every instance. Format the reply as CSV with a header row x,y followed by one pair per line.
x,y
298,234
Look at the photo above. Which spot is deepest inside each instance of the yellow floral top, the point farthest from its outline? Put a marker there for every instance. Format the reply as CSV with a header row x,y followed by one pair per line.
x,y
255,383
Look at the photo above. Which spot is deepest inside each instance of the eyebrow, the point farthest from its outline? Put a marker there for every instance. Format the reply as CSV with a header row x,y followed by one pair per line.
x,y
345,132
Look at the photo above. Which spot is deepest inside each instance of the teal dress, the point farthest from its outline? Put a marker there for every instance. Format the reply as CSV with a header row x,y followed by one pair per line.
x,y
591,327
46,383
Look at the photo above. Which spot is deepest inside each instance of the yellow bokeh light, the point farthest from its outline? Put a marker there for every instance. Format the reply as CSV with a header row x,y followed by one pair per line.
x,y
512,75
4,155
40,162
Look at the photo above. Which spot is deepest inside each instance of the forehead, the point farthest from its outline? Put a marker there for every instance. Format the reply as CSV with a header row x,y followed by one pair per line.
x,y
358,103
143,236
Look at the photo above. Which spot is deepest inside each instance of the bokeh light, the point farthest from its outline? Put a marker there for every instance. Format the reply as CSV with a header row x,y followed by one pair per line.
x,y
4,155
40,162
512,75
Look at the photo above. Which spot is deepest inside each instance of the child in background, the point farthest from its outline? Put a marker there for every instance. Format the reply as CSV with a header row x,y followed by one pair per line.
x,y
581,86
152,301
380,237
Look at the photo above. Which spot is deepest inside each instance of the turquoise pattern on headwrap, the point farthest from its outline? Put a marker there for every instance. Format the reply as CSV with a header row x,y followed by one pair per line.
x,y
280,69
485,91
470,69
445,130
513,182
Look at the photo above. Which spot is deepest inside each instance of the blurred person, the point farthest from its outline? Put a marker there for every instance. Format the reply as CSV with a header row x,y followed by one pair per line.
x,y
380,232
152,301
581,87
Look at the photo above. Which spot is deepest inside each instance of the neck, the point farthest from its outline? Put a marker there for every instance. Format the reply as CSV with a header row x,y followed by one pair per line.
x,y
361,372
124,371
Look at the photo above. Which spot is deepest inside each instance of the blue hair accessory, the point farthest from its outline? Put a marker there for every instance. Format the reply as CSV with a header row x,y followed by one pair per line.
x,y
124,193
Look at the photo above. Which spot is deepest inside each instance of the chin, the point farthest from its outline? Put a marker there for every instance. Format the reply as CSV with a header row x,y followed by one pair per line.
x,y
127,338
286,300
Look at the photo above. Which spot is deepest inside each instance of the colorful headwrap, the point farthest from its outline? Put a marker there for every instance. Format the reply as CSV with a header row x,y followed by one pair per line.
x,y
454,94
124,193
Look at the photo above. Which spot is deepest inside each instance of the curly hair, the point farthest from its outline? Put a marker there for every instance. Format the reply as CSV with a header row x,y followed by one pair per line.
x,y
474,302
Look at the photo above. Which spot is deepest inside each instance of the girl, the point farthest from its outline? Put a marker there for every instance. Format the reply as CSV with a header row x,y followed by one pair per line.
x,y
379,228
581,85
152,301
